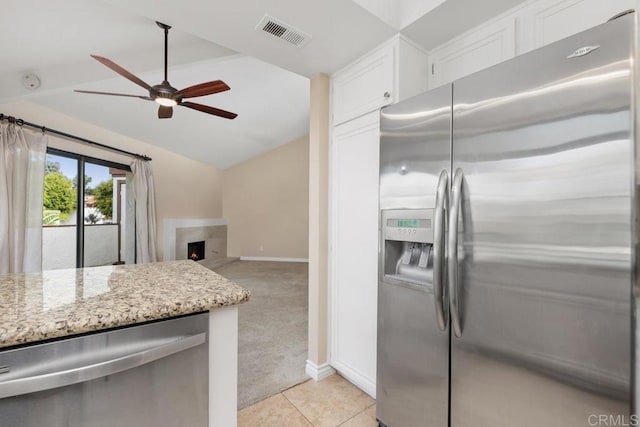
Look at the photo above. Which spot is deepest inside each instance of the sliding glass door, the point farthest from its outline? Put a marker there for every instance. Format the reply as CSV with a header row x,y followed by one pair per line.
x,y
87,212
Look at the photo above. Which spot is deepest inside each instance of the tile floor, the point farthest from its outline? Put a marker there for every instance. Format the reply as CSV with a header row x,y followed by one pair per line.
x,y
331,402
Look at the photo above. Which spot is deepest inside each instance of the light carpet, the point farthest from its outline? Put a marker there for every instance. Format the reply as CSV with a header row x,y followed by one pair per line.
x,y
272,327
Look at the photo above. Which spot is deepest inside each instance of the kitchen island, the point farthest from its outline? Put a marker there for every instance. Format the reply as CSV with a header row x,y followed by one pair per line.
x,y
60,304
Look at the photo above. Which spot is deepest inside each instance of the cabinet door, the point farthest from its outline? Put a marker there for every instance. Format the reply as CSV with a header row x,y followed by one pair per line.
x,y
365,86
354,249
547,21
487,46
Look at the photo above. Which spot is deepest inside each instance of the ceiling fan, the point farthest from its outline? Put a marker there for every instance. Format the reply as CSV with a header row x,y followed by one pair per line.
x,y
165,94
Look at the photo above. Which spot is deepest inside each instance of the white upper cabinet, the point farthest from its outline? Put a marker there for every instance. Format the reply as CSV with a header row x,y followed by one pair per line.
x,y
547,21
483,47
393,71
365,86
530,25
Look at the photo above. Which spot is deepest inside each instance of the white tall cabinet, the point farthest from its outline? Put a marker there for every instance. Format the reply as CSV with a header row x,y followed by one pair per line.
x,y
395,70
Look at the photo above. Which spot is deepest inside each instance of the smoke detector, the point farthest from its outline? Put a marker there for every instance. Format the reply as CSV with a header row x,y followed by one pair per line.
x,y
31,81
283,31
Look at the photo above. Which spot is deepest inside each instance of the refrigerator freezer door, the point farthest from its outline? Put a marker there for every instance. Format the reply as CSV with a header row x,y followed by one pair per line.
x,y
413,350
544,236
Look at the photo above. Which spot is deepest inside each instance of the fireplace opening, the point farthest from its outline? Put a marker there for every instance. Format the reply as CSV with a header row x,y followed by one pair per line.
x,y
195,250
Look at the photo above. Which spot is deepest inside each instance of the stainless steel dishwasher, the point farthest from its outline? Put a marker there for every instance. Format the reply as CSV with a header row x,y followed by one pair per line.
x,y
156,374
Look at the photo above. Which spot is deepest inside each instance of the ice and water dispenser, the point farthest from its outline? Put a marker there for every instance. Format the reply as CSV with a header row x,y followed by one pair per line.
x,y
408,245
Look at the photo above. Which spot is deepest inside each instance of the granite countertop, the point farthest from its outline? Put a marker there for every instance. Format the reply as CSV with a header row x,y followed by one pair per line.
x,y
57,303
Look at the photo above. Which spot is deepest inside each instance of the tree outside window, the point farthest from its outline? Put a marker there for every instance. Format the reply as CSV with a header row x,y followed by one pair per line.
x,y
59,195
103,194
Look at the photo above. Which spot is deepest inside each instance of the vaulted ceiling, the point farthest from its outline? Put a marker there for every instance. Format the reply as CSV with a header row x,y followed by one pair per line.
x,y
210,40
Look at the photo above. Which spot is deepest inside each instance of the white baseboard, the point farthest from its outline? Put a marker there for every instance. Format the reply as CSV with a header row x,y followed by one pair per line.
x,y
363,383
269,258
318,372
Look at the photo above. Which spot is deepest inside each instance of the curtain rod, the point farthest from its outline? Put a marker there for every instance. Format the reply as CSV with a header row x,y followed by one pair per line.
x,y
44,129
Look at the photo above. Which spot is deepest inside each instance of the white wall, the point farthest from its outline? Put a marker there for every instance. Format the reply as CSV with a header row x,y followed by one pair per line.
x,y
59,246
319,227
100,244
266,203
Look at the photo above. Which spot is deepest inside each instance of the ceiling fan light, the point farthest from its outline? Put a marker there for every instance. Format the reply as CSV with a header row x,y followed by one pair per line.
x,y
166,102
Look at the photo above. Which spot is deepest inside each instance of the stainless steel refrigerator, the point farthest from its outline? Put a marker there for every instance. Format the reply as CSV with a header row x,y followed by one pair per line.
x,y
505,273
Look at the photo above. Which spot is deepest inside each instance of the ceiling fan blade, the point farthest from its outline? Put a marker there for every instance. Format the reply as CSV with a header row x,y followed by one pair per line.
x,y
118,69
209,110
165,112
203,89
93,92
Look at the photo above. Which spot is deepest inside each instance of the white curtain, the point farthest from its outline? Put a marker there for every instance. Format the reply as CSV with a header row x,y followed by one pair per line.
x,y
144,195
22,161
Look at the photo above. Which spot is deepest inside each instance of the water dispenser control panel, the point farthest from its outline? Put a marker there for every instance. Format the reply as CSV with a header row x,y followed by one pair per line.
x,y
408,246
408,225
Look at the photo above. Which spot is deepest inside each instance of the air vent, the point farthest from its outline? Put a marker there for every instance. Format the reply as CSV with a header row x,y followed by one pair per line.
x,y
283,31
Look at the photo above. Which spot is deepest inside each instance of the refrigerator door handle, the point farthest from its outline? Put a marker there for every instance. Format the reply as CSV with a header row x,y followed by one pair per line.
x,y
456,195
439,258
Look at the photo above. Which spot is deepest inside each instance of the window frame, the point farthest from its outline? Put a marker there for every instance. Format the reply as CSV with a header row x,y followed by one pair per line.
x,y
82,159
